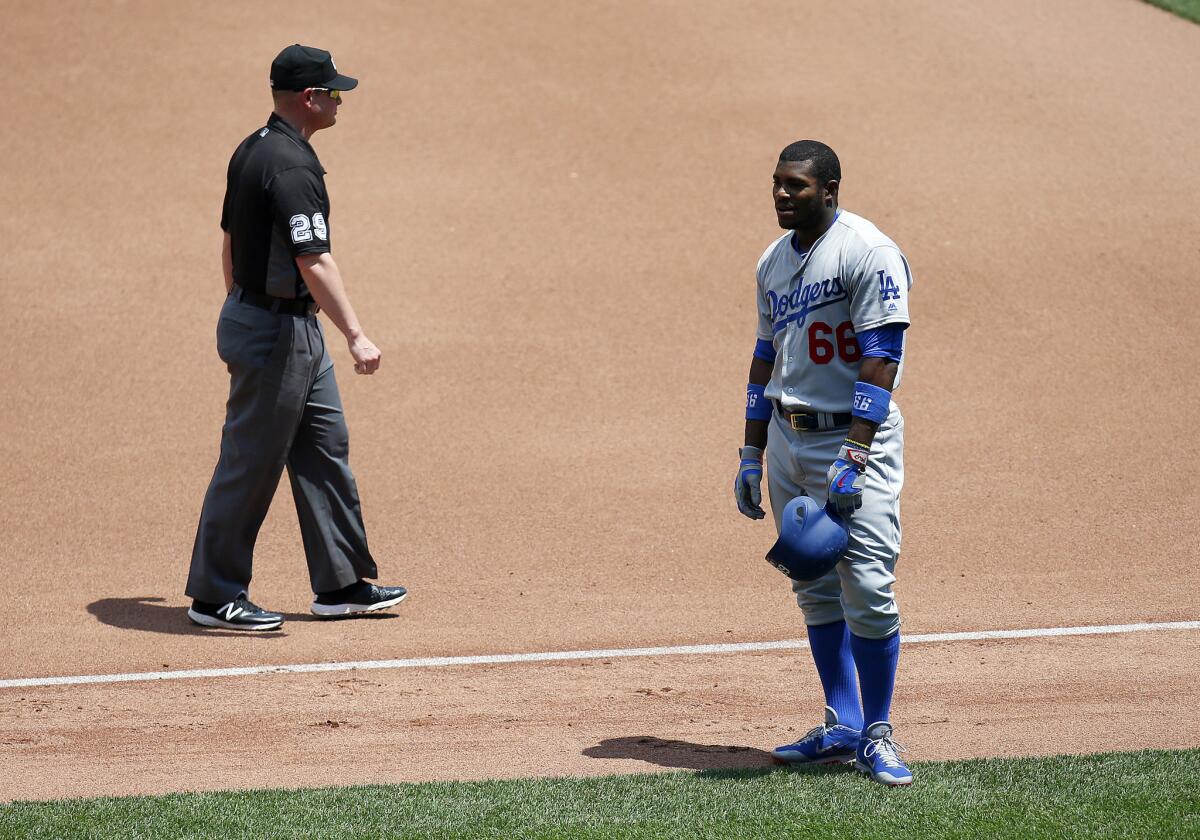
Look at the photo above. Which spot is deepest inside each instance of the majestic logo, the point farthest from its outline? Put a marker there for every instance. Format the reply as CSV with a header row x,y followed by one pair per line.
x,y
805,298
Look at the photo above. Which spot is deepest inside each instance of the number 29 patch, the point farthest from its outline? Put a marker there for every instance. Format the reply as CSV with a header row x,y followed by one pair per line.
x,y
303,230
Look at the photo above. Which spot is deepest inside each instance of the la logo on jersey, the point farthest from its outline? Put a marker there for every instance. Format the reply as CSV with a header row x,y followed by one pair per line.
x,y
805,298
888,290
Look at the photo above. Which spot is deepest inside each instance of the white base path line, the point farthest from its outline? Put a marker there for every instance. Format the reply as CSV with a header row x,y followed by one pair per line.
x,y
571,655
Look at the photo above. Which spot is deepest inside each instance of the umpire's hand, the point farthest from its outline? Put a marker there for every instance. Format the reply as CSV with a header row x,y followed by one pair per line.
x,y
747,486
366,354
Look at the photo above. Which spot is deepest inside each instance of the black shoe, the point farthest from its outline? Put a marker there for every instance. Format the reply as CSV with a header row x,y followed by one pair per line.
x,y
238,614
359,597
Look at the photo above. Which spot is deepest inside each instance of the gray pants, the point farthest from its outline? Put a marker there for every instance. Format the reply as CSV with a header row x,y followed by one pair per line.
x,y
284,410
859,589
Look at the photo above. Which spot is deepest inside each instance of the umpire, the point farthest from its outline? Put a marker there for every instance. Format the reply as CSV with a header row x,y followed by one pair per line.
x,y
284,409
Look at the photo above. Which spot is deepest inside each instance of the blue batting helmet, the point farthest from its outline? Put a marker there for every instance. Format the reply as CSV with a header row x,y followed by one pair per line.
x,y
811,540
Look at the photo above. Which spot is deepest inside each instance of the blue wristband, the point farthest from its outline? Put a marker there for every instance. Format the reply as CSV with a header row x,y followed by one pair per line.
x,y
758,407
871,402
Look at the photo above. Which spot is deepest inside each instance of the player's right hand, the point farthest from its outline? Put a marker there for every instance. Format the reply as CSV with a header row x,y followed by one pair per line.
x,y
847,477
366,355
747,486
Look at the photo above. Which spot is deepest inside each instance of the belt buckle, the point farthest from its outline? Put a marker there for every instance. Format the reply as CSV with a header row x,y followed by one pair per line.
x,y
802,422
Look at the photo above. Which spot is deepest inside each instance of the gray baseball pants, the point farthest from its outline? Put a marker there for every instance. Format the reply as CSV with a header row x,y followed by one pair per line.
x,y
284,410
859,589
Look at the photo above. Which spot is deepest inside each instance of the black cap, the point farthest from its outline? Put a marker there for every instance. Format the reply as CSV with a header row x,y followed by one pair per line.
x,y
299,67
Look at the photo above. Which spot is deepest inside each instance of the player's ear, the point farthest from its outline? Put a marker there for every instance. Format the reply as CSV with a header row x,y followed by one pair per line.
x,y
831,193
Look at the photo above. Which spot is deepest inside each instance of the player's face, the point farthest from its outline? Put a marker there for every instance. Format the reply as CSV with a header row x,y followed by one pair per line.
x,y
801,202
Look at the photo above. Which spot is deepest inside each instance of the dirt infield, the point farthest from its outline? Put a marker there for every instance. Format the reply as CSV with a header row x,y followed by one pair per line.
x,y
548,217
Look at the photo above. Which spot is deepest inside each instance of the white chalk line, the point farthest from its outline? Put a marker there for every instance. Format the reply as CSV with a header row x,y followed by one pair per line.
x,y
575,655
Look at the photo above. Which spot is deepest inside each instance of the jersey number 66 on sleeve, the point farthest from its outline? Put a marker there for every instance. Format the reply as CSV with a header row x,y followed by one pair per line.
x,y
302,230
821,349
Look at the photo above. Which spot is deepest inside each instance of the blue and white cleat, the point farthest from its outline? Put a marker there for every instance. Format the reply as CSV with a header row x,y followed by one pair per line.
x,y
879,756
830,743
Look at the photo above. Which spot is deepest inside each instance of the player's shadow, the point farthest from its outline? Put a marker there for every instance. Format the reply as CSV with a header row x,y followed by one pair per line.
x,y
682,754
154,616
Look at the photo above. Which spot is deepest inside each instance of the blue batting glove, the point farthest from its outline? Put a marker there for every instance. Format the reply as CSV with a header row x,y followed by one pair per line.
x,y
747,486
847,476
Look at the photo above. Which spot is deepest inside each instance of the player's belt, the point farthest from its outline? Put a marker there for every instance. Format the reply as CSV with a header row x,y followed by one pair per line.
x,y
283,306
814,421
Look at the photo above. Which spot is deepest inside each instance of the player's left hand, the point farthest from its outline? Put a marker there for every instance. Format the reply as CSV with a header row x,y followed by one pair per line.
x,y
847,476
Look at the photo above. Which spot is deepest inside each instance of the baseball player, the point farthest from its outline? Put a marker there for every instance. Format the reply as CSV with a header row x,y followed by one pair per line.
x,y
832,310
284,409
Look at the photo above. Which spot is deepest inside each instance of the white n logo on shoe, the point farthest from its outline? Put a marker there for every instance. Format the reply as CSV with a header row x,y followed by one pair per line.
x,y
232,612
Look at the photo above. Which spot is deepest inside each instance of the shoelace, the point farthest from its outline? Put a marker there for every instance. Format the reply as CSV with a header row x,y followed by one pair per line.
x,y
817,732
887,750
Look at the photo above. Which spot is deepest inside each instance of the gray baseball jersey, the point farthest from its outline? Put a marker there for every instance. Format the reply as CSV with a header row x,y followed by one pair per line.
x,y
854,278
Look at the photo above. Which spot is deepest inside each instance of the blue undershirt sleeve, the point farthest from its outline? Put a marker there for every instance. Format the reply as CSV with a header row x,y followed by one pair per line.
x,y
886,342
764,350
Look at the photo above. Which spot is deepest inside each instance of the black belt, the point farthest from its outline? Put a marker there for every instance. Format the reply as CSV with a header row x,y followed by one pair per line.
x,y
284,306
815,421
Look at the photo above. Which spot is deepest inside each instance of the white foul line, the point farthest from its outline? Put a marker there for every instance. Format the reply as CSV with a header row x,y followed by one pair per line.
x,y
573,655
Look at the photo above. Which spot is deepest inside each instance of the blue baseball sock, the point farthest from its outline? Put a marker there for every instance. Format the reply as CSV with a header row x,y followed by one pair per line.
x,y
876,660
830,644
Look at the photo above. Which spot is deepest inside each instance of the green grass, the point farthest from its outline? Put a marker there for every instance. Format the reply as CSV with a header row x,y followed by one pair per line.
x,y
1189,9
1120,795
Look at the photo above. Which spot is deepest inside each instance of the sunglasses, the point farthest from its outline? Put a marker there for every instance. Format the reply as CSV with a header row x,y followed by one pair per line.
x,y
333,94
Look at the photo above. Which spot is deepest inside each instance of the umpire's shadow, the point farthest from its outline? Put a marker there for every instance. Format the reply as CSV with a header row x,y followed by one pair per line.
x,y
682,754
154,616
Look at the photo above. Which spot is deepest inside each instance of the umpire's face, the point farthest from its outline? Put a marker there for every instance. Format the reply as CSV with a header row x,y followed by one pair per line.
x,y
322,106
801,202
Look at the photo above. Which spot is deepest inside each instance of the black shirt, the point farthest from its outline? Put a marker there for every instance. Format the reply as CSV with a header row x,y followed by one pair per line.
x,y
276,209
